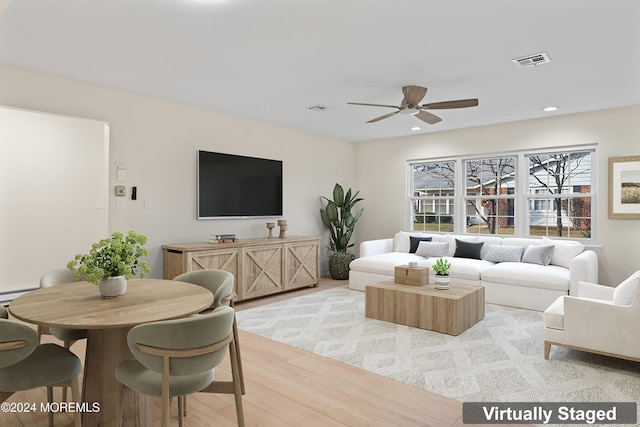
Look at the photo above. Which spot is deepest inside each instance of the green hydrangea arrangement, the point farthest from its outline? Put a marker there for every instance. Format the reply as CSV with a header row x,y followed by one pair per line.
x,y
119,255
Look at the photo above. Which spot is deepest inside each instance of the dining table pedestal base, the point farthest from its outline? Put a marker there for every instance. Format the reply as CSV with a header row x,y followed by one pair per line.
x,y
106,348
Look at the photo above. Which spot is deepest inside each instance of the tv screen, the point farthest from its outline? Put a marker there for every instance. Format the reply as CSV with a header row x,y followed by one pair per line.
x,y
232,186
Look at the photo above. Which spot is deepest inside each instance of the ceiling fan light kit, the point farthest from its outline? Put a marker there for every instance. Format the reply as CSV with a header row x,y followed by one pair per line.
x,y
411,105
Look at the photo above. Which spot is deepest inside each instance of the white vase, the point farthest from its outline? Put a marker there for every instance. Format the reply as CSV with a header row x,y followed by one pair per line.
x,y
112,287
442,282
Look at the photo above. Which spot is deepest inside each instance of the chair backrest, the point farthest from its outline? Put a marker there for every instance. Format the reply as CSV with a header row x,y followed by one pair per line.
x,y
190,341
219,282
17,341
57,277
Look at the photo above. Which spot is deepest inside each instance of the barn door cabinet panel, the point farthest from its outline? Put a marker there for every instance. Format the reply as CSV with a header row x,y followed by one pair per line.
x,y
302,264
261,266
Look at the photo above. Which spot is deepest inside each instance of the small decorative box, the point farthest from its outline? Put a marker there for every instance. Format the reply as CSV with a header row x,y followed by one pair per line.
x,y
416,276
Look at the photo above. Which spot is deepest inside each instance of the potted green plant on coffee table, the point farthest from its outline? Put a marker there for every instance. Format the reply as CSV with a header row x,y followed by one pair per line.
x,y
442,267
112,261
341,222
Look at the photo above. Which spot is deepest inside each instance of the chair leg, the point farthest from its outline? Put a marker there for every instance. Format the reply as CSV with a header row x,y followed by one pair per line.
x,y
184,406
181,410
50,400
237,389
67,345
76,396
547,350
236,344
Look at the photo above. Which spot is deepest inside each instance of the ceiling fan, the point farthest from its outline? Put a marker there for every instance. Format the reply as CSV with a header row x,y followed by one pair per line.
x,y
410,105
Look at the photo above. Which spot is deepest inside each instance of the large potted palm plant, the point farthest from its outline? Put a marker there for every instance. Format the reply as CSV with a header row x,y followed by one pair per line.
x,y
341,222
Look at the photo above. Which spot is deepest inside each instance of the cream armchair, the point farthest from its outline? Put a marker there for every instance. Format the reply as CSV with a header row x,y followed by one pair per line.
x,y
599,319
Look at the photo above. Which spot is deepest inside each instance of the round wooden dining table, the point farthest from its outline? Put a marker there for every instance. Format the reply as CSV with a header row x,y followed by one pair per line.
x,y
78,305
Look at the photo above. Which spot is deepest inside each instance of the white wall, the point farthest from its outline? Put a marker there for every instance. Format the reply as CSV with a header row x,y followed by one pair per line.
x,y
382,172
53,171
158,141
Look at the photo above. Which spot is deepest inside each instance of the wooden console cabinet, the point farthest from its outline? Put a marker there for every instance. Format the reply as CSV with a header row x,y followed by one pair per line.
x,y
261,266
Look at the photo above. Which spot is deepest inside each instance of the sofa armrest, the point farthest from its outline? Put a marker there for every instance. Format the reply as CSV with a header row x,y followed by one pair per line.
x,y
583,268
595,291
376,247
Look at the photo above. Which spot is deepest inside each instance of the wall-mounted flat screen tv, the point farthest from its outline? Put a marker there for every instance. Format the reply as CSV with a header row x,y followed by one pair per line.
x,y
232,186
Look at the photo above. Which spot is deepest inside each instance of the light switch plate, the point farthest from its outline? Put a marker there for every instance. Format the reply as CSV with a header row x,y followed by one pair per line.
x,y
121,190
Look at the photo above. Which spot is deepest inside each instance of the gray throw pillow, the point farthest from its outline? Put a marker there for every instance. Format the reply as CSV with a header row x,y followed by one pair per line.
x,y
500,253
414,241
432,249
537,254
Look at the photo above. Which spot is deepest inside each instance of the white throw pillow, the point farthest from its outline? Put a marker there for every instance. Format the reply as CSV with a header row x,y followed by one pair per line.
x,y
432,249
504,253
401,240
625,292
564,251
538,254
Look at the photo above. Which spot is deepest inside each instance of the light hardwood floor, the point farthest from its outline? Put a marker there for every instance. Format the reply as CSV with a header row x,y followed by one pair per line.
x,y
286,387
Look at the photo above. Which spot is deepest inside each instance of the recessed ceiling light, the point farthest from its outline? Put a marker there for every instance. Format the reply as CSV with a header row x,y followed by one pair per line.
x,y
550,109
416,128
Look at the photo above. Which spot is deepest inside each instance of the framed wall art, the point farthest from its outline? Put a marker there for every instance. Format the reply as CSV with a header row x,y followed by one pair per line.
x,y
624,187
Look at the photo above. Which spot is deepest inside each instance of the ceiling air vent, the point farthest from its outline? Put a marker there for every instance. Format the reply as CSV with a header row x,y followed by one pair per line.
x,y
532,60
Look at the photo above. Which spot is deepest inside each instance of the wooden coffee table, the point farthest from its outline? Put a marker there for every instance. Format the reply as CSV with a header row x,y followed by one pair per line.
x,y
449,311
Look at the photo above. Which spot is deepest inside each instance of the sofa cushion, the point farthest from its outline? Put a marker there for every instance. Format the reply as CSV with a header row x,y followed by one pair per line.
x,y
468,268
625,293
538,254
528,275
383,263
502,253
471,250
414,241
432,249
564,251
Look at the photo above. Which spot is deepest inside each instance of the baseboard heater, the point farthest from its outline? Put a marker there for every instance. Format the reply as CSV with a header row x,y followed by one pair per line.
x,y
7,296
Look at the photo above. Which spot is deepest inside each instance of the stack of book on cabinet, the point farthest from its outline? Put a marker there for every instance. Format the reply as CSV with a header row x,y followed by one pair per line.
x,y
222,238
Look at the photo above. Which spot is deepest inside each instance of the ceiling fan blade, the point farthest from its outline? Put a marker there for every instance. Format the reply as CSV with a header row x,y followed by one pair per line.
x,y
377,119
373,105
413,94
430,118
460,103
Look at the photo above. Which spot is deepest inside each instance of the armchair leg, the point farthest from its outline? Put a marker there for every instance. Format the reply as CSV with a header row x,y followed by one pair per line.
x,y
547,350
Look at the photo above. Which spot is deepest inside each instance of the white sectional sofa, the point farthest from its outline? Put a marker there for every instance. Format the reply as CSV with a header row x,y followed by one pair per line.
x,y
511,273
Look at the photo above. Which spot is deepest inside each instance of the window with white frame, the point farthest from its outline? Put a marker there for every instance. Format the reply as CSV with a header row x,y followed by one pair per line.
x,y
433,189
560,191
490,195
527,194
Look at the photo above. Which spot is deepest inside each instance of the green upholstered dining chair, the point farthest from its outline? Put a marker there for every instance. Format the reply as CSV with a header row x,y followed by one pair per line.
x,y
220,283
67,336
58,277
177,357
25,365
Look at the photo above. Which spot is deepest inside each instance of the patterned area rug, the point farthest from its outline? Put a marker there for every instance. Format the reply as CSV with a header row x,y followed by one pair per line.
x,y
498,359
